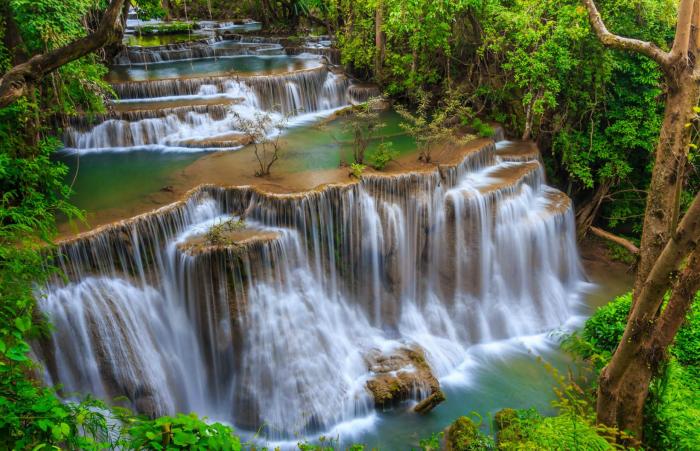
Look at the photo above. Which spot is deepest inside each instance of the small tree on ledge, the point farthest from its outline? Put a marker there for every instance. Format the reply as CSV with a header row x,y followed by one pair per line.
x,y
264,131
427,131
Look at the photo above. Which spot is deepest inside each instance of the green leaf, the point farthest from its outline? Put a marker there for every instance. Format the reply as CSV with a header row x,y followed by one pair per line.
x,y
23,323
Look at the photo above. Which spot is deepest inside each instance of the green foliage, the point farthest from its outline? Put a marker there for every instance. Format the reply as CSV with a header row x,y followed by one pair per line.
x,y
150,9
603,332
464,435
383,155
619,253
167,28
528,430
217,235
480,127
605,328
364,125
686,347
534,66
431,443
180,432
357,169
427,129
672,412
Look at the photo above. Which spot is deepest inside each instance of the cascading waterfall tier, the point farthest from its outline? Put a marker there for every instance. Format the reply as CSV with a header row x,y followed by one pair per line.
x,y
174,114
203,48
276,326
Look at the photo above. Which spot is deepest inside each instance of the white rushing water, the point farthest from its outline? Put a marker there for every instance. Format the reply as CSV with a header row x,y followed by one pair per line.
x,y
276,332
201,113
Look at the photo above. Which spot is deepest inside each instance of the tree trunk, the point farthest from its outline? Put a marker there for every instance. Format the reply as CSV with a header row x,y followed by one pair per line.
x,y
623,382
588,211
379,40
671,154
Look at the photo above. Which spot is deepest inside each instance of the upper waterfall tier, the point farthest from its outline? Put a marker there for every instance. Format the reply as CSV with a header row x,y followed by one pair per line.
x,y
225,46
273,322
174,113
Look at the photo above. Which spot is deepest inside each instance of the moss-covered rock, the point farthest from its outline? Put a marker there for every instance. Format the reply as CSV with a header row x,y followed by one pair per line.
x,y
462,435
505,418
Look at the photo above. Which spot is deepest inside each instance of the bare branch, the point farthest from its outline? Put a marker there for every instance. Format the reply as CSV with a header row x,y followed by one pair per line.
x,y
14,83
627,244
612,40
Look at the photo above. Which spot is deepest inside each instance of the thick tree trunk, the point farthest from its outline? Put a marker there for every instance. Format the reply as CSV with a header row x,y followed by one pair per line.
x,y
623,383
671,154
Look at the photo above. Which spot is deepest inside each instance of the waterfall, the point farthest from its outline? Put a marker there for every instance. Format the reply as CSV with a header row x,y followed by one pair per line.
x,y
203,48
200,113
276,327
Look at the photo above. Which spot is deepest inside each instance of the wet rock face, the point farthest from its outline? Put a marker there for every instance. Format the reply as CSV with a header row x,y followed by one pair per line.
x,y
400,375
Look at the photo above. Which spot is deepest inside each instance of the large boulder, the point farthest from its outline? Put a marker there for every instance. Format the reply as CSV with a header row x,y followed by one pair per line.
x,y
400,375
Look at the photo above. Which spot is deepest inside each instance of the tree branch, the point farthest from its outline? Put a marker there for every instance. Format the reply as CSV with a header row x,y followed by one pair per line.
x,y
612,40
681,43
682,242
627,244
14,83
682,296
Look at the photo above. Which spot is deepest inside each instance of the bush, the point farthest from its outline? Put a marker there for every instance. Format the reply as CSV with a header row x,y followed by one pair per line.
x,y
167,28
672,412
180,432
687,344
604,329
482,129
528,430
383,155
357,169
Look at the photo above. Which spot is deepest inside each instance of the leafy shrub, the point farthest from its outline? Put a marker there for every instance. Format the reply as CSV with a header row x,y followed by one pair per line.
x,y
672,411
619,253
687,344
482,128
216,235
383,155
527,429
605,328
357,169
167,28
180,432
431,443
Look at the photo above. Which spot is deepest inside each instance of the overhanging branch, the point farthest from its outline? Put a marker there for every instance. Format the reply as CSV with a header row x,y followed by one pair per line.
x,y
627,244
612,40
14,83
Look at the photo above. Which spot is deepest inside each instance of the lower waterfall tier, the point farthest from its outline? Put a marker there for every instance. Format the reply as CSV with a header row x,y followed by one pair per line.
x,y
279,319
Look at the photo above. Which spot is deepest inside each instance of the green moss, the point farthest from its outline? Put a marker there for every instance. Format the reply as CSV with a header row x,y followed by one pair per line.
x,y
462,435
504,418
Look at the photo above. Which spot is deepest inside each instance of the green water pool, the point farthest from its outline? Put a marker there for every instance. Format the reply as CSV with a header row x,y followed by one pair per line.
x,y
211,67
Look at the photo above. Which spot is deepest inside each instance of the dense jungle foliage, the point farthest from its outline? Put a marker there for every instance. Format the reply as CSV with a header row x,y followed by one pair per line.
x,y
534,66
